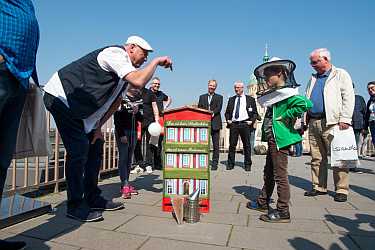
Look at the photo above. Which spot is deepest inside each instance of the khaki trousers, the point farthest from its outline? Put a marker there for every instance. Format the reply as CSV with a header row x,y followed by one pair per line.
x,y
320,150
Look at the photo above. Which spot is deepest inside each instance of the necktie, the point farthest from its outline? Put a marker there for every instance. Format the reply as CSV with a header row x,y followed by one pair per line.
x,y
237,112
209,101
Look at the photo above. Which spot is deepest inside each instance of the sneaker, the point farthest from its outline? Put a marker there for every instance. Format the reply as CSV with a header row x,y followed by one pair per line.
x,y
102,204
149,169
125,192
12,245
83,213
133,191
314,192
355,170
340,197
254,205
276,216
137,170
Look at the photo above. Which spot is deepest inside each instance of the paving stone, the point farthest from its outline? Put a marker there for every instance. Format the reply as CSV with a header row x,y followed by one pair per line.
x,y
260,238
351,215
93,238
37,244
225,218
353,228
139,209
216,196
224,207
165,244
167,228
299,225
43,227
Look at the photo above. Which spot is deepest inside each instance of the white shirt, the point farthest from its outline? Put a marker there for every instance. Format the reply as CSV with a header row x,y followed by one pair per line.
x,y
243,112
111,59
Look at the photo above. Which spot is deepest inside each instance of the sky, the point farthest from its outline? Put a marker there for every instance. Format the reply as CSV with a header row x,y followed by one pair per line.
x,y
207,39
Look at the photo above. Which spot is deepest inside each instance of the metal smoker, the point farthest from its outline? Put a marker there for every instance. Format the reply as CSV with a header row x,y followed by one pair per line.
x,y
191,208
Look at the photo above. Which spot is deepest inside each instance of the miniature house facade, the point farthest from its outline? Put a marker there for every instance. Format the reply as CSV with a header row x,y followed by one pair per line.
x,y
186,153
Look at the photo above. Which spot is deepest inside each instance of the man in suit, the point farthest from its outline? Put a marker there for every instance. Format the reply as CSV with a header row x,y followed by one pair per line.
x,y
240,114
213,102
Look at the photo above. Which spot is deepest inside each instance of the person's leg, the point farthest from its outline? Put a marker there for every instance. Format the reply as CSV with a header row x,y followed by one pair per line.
x,y
252,140
244,133
268,181
157,156
122,161
298,147
233,138
215,134
149,151
12,99
372,130
77,146
341,180
318,152
280,170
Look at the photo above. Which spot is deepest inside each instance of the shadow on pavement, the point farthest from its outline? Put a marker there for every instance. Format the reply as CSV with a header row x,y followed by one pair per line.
x,y
363,191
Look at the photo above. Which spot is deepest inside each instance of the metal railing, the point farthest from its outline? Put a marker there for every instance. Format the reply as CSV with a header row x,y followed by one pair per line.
x,y
33,173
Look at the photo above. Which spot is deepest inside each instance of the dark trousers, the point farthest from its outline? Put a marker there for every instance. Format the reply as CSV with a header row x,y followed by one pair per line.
x,y
243,130
125,151
298,149
153,153
215,135
12,100
83,159
276,170
138,156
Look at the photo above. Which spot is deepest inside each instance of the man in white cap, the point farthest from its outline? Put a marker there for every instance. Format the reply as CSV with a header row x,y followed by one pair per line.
x,y
81,97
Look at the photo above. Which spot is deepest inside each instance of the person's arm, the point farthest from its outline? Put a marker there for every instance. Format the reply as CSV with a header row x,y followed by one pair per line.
x,y
297,106
217,109
348,100
112,109
155,110
167,102
200,102
228,113
139,78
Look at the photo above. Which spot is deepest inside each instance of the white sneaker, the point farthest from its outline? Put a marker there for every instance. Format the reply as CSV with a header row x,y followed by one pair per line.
x,y
137,170
149,169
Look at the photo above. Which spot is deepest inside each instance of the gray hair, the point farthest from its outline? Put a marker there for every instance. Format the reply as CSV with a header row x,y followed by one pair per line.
x,y
322,52
238,82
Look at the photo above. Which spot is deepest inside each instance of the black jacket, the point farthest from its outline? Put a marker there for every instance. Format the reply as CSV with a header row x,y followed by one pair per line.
x,y
367,116
215,106
251,108
358,119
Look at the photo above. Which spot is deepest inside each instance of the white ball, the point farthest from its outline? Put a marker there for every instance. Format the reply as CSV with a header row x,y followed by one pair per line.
x,y
154,129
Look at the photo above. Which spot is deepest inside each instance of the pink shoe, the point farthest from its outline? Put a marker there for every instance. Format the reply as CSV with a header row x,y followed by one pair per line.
x,y
133,191
125,191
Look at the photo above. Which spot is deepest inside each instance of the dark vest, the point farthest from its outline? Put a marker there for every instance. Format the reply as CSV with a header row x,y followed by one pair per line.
x,y
86,85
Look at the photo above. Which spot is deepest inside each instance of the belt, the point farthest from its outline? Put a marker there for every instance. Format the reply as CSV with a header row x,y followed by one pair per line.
x,y
317,116
1,59
239,122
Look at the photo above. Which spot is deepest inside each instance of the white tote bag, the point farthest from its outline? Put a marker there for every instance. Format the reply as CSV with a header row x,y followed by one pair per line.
x,y
343,148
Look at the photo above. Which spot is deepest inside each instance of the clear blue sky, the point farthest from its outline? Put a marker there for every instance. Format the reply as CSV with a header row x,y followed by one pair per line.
x,y
212,39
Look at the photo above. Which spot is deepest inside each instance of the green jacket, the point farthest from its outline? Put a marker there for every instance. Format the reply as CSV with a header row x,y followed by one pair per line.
x,y
288,109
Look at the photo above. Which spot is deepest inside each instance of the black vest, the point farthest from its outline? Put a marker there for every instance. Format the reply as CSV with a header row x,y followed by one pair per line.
x,y
86,85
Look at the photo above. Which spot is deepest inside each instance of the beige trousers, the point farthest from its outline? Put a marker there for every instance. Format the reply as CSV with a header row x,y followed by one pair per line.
x,y
320,149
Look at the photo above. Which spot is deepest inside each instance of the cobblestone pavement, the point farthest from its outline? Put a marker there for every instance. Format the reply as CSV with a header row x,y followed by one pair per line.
x,y
317,223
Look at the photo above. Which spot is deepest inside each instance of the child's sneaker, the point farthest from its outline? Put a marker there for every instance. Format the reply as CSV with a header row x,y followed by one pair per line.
x,y
133,191
126,193
137,170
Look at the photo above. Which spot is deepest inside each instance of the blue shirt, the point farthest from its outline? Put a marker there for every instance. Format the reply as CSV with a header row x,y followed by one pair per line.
x,y
19,38
317,94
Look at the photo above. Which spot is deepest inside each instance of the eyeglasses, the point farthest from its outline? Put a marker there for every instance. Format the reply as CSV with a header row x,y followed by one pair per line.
x,y
315,62
156,83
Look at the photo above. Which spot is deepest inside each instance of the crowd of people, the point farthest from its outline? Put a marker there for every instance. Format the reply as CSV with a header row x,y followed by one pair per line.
x,y
84,94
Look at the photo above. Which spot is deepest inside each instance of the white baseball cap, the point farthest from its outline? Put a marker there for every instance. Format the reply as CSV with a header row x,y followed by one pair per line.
x,y
137,40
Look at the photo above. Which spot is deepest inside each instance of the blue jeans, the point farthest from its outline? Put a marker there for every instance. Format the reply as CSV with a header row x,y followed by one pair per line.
x,y
126,151
83,159
12,99
298,149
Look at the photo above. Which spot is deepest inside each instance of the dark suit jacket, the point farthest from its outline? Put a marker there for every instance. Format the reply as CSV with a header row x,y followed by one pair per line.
x,y
215,106
251,108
